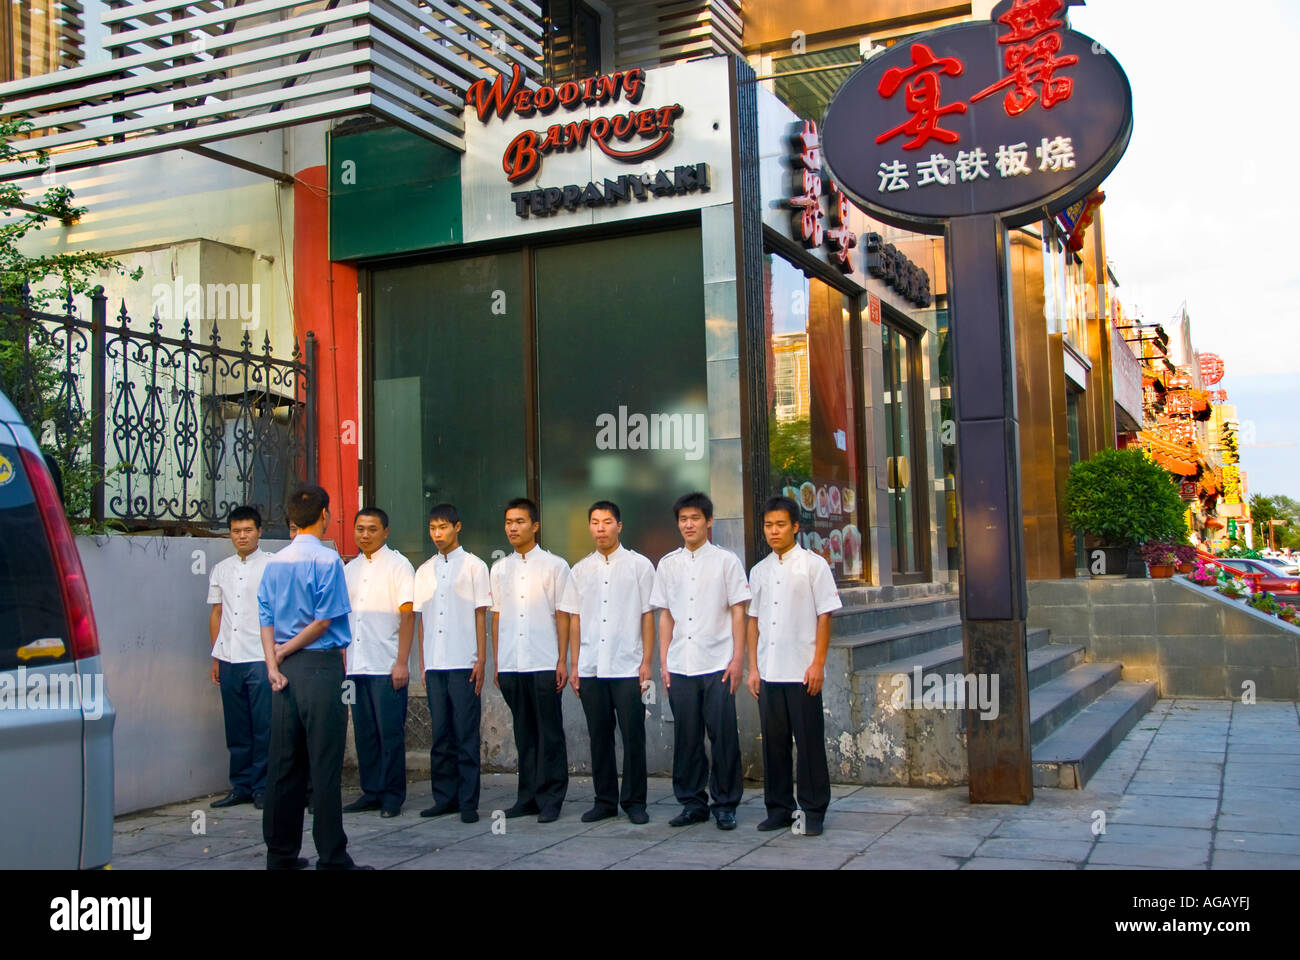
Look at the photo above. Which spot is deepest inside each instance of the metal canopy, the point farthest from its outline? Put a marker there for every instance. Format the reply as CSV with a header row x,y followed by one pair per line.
x,y
186,75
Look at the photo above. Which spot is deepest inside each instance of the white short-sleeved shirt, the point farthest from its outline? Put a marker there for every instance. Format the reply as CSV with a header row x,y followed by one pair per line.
x,y
610,595
448,590
378,585
790,593
233,583
699,589
526,593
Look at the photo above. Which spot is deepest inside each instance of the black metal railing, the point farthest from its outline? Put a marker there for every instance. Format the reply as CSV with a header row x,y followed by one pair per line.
x,y
176,432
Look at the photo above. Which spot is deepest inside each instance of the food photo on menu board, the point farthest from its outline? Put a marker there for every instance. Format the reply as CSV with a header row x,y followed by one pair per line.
x,y
826,527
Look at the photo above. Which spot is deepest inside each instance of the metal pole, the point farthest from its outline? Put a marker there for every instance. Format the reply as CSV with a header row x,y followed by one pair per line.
x,y
98,359
993,593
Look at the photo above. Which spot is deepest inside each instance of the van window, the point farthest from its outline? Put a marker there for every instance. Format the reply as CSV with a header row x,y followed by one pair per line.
x,y
31,602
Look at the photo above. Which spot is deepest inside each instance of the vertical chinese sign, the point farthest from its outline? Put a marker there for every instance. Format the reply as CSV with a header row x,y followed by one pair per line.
x,y
966,131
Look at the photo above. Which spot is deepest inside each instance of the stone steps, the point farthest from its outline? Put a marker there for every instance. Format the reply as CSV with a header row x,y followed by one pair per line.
x,y
1073,753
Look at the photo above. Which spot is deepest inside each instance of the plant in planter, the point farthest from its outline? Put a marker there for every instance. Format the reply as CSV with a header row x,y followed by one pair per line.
x,y
1160,557
1232,589
1288,613
1202,576
1265,602
1121,498
1186,554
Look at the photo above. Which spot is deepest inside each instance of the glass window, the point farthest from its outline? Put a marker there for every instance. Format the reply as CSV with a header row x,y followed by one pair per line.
x,y
905,465
449,416
948,437
622,394
811,425
572,40
813,79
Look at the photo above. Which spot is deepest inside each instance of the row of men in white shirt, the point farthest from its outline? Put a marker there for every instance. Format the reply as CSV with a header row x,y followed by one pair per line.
x,y
591,628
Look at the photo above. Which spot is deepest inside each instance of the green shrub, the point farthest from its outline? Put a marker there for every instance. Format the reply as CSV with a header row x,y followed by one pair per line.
x,y
1123,498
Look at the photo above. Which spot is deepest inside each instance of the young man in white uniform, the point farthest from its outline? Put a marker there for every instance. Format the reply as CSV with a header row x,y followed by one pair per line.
x,y
789,631
530,640
381,586
452,597
700,590
238,664
611,645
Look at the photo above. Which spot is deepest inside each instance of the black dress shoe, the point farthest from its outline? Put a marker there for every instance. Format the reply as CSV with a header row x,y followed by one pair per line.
x,y
598,813
638,815
438,809
521,810
549,816
361,804
776,823
469,816
259,801
812,828
687,817
302,863
389,812
726,819
232,799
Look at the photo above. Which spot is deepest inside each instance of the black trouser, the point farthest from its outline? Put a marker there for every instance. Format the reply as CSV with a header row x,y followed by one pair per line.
x,y
539,738
379,725
786,710
705,704
604,700
246,707
454,709
309,724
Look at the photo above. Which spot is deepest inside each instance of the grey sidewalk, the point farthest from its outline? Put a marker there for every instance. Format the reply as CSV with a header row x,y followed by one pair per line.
x,y
1196,784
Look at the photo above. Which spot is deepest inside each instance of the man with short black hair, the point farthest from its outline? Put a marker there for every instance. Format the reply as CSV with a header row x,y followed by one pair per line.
x,y
611,645
381,591
700,590
303,607
788,635
452,597
530,639
238,663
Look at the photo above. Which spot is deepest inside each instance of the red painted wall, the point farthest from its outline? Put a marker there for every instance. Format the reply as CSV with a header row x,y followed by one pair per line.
x,y
325,302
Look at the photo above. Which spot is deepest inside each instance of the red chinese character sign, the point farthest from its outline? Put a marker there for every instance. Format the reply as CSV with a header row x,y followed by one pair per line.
x,y
1007,117
966,131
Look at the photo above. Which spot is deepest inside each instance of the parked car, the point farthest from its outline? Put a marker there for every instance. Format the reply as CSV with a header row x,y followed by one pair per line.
x,y
1288,568
1271,579
56,722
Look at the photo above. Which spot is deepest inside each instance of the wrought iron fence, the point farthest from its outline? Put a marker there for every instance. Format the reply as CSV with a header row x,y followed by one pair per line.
x,y
176,432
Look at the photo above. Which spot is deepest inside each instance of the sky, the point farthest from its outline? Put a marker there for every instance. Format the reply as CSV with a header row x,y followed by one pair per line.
x,y
1203,207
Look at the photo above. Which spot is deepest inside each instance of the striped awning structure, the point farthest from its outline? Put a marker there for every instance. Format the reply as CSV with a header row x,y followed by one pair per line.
x,y
657,34
1177,458
188,74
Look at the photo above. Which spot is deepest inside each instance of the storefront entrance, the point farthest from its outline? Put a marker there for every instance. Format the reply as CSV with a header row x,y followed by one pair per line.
x,y
567,372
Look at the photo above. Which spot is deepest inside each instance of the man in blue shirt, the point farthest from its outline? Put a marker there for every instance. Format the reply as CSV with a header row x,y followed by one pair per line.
x,y
303,609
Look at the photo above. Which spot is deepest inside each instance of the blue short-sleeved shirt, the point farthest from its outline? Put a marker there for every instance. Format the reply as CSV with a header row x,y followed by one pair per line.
x,y
305,582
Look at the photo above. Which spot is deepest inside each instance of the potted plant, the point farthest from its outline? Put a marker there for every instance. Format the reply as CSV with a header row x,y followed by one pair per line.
x,y
1119,499
1288,613
1202,576
1232,589
1160,557
1186,554
1265,602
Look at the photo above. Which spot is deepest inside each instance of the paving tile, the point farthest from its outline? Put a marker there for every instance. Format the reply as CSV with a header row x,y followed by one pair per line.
x,y
808,856
1166,811
999,863
1152,855
891,860
1255,822
1028,848
1068,829
1160,787
1244,860
454,859
147,861
696,857
580,853
193,848
1278,843
1160,836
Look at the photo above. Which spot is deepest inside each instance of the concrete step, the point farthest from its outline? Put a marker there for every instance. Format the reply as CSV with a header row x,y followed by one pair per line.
x,y
1052,703
858,618
1046,662
898,642
869,596
1073,753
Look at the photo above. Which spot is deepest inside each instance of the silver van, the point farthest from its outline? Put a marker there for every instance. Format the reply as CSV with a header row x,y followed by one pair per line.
x,y
56,722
